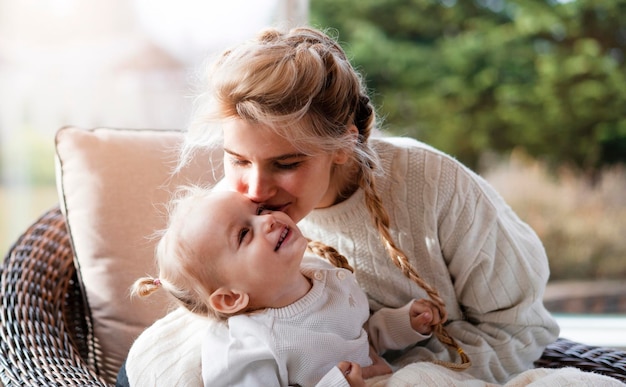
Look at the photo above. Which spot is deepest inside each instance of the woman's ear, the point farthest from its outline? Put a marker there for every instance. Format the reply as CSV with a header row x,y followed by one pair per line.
x,y
228,301
342,155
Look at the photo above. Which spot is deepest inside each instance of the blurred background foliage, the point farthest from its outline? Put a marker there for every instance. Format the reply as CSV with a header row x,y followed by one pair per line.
x,y
529,93
478,76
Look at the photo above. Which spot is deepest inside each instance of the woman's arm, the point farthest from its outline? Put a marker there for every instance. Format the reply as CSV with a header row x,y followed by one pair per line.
x,y
499,270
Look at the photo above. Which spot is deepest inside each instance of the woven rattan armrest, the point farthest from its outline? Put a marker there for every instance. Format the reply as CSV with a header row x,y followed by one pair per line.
x,y
567,353
44,327
46,331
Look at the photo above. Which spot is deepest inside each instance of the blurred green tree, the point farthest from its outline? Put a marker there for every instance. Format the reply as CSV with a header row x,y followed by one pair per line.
x,y
491,75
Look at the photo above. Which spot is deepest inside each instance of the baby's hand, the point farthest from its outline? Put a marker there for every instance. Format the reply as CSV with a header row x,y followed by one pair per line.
x,y
378,367
352,373
424,314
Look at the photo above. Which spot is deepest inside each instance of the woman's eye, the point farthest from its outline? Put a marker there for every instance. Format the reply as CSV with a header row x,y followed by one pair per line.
x,y
260,210
237,162
289,165
242,234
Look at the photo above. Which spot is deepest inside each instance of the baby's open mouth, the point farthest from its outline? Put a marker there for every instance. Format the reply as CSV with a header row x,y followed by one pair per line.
x,y
282,237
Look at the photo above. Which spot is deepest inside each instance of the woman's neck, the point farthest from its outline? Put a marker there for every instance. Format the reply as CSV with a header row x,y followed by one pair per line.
x,y
347,180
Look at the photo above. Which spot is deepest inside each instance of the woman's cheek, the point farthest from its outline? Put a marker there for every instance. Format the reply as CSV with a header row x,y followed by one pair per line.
x,y
232,182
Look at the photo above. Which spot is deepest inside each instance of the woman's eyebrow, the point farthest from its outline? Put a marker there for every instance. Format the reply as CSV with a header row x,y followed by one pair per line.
x,y
280,157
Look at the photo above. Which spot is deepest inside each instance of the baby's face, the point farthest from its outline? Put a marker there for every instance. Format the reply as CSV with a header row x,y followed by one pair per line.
x,y
255,250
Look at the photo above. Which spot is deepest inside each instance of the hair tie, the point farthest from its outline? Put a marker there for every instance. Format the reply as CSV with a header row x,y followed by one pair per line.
x,y
156,282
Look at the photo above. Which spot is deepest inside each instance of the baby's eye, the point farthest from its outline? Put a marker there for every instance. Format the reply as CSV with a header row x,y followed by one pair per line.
x,y
242,234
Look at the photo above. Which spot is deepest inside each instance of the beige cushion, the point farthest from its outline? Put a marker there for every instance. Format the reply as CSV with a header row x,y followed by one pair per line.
x,y
113,185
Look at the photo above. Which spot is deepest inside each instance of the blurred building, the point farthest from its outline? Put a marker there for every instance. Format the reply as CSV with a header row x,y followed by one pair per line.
x,y
117,63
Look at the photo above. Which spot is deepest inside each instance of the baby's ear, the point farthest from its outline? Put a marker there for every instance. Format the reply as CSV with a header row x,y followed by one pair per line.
x,y
228,301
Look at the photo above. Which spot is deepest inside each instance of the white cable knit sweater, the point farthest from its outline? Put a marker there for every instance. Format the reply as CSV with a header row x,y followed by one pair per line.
x,y
489,267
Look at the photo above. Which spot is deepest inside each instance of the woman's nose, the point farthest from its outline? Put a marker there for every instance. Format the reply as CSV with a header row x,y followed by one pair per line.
x,y
260,186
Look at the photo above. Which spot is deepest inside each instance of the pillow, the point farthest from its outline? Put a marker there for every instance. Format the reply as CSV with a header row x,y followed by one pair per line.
x,y
113,185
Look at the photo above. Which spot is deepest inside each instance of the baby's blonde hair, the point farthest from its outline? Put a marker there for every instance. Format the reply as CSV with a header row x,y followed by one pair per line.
x,y
181,274
301,85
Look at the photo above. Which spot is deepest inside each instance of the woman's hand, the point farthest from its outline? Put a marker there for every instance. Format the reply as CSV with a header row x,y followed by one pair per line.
x,y
424,314
378,367
352,373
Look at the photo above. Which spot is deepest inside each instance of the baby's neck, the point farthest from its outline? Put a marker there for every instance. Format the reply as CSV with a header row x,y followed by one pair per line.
x,y
304,285
298,289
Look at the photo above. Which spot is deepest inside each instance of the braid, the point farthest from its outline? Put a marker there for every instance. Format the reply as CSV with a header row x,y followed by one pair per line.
x,y
330,253
381,221
380,217
363,114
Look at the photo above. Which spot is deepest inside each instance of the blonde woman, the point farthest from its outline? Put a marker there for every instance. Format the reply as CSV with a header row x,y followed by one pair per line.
x,y
296,128
295,125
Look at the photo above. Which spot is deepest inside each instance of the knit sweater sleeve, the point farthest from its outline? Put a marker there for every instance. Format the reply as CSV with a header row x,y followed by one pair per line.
x,y
497,266
168,352
390,328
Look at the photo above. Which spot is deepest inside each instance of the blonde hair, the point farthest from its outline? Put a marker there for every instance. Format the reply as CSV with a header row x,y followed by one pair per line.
x,y
180,275
301,85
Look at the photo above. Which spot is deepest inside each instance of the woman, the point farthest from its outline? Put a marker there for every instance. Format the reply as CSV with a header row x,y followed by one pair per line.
x,y
294,121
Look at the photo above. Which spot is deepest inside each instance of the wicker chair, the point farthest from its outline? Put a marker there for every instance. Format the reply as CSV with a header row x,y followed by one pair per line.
x,y
45,325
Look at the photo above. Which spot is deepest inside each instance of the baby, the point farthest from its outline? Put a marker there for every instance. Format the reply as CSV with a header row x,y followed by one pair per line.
x,y
293,318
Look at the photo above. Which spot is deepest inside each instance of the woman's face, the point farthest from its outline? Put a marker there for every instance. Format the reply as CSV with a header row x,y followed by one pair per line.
x,y
270,171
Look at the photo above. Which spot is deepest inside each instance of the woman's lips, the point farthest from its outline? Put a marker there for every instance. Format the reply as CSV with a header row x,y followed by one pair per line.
x,y
276,207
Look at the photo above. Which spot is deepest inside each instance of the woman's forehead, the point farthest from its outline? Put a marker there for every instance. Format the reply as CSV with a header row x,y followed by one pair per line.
x,y
245,140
